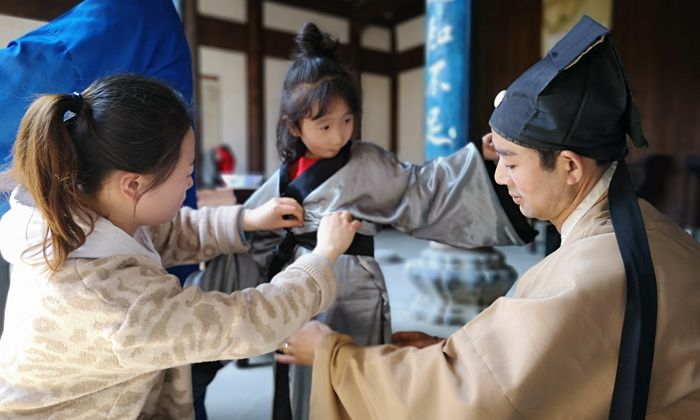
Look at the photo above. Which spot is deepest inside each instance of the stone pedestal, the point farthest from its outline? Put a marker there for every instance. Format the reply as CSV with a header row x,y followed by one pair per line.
x,y
457,284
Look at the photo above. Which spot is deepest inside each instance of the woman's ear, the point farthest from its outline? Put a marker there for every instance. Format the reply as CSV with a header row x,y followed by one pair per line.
x,y
292,127
129,185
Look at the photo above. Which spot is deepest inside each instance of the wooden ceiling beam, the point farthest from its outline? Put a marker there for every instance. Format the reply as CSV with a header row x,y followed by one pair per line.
x,y
36,9
408,11
375,9
230,35
222,33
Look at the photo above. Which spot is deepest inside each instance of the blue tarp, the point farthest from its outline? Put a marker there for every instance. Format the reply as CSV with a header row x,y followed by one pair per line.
x,y
97,38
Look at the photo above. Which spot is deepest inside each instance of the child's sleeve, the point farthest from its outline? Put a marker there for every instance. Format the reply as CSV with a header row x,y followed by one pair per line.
x,y
200,235
452,200
167,326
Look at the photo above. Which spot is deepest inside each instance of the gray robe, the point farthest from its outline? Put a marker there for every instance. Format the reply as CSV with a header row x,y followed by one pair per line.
x,y
450,200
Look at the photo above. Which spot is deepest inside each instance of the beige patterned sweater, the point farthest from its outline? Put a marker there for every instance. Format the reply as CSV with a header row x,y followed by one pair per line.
x,y
113,337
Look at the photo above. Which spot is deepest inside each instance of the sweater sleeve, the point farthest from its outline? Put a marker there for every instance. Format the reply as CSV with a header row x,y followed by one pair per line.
x,y
198,235
167,326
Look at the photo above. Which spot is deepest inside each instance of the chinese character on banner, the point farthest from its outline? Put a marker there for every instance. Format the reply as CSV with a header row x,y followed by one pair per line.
x,y
446,76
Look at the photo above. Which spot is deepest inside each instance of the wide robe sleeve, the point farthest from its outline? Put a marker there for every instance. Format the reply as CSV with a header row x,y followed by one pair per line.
x,y
441,382
450,200
550,352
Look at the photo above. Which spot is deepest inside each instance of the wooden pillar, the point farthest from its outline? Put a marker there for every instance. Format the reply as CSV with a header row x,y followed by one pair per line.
x,y
255,79
355,61
658,43
394,96
189,22
506,43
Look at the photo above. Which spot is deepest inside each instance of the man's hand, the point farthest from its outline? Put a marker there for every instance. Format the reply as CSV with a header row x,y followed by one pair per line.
x,y
277,213
414,339
300,349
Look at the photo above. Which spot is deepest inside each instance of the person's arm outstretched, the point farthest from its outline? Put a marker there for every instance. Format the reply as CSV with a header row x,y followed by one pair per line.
x,y
166,326
200,235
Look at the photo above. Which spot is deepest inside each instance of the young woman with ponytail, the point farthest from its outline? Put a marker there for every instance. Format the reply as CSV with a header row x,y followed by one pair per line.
x,y
451,200
94,326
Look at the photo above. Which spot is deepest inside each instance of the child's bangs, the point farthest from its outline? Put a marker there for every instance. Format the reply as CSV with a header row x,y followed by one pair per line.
x,y
325,96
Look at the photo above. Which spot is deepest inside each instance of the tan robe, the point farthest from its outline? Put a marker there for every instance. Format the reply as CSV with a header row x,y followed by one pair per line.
x,y
549,352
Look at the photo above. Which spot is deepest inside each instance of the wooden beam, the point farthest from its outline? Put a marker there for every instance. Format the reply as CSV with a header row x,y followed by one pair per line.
x,y
230,35
339,8
408,11
410,59
278,44
190,26
222,33
255,78
374,9
36,9
394,97
355,62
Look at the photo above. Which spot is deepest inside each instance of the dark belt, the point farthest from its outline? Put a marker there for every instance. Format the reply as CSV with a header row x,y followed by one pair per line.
x,y
281,256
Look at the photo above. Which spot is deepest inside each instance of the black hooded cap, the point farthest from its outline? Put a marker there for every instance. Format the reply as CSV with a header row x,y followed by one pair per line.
x,y
576,98
579,98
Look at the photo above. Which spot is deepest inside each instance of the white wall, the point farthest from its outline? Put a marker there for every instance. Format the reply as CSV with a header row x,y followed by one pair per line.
x,y
230,69
376,38
411,125
292,19
410,34
275,70
234,10
12,28
376,117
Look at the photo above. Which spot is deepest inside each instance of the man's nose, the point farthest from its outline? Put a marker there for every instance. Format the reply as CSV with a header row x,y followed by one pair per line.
x,y
501,176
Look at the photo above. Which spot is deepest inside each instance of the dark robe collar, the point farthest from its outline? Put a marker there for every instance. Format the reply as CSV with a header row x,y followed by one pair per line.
x,y
313,177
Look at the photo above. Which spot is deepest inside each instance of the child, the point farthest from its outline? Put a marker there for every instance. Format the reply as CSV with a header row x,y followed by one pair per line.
x,y
450,200
95,327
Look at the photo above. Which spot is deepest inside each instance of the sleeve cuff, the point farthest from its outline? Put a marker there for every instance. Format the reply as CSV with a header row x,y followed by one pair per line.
x,y
246,237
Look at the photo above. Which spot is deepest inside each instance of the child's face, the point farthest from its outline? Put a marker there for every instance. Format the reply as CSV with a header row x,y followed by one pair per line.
x,y
325,136
161,204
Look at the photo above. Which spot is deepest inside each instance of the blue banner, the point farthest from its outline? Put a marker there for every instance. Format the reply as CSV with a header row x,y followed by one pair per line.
x,y
447,76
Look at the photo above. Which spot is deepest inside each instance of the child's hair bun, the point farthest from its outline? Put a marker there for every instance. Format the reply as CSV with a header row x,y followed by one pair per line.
x,y
311,42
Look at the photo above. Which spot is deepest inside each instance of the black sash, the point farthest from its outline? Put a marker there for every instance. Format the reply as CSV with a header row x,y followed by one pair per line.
x,y
634,363
299,189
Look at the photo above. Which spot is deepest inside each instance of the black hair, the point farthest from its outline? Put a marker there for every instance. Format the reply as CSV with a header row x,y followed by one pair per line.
x,y
316,76
548,158
120,123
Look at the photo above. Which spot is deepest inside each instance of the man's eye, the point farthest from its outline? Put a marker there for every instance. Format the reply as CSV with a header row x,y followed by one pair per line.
x,y
325,128
510,166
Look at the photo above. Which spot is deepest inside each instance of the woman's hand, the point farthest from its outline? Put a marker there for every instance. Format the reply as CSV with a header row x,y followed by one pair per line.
x,y
335,234
414,339
488,149
300,349
277,213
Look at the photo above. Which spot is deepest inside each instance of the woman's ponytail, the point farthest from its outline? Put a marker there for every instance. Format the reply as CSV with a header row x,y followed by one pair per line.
x,y
47,164
69,145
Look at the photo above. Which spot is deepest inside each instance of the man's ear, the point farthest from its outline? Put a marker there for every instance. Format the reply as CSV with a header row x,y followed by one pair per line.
x,y
573,166
291,126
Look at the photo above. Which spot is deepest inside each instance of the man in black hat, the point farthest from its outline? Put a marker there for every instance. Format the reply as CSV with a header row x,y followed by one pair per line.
x,y
608,326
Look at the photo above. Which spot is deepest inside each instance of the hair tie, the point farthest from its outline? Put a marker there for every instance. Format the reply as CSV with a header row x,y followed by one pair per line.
x,y
77,104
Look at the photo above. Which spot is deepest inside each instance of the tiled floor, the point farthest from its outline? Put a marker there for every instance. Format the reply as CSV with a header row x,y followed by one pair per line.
x,y
246,394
